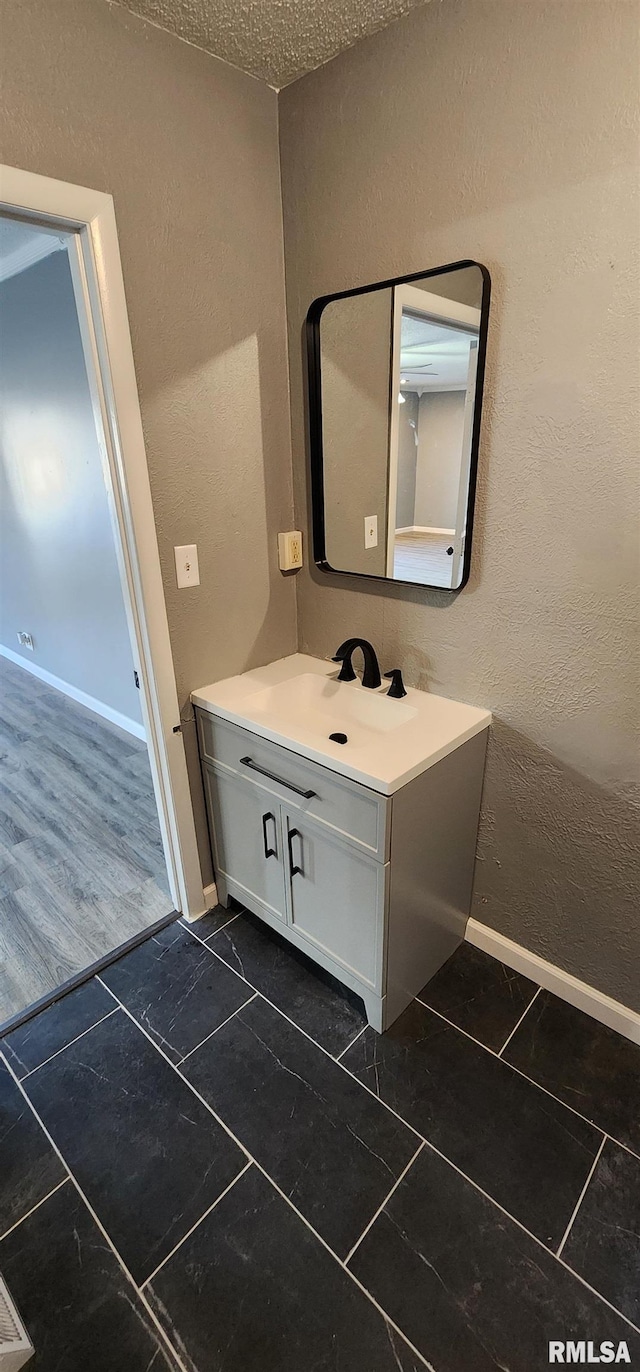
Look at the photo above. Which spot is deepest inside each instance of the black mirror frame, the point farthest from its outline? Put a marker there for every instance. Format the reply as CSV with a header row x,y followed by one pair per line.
x,y
314,383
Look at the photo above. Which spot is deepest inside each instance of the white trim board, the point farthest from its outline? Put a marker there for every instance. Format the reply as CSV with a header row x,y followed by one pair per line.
x,y
211,897
423,529
130,726
563,984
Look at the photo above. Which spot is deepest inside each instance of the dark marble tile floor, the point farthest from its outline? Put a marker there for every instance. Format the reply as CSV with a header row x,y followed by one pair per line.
x,y
525,1149
175,987
469,1287
327,1011
583,1063
479,995
604,1242
47,1033
331,1148
78,1305
148,1155
254,1290
29,1168
238,1176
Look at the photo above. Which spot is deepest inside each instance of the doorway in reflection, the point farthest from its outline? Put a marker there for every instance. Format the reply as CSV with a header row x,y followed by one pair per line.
x,y
430,441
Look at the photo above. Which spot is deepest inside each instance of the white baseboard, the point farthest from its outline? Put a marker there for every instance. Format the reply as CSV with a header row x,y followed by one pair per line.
x,y
210,895
424,529
552,978
130,726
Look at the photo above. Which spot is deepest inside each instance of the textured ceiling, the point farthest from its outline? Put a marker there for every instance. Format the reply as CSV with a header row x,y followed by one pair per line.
x,y
276,40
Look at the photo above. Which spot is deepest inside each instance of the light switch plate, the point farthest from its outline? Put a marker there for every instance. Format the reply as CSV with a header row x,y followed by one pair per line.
x,y
187,573
371,531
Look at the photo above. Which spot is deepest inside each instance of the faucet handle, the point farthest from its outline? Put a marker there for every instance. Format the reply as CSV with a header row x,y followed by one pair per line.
x,y
396,689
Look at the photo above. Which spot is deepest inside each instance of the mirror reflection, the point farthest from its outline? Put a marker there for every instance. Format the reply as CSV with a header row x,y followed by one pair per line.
x,y
394,462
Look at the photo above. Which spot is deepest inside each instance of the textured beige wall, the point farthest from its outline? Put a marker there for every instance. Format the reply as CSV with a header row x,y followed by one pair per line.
x,y
503,132
188,148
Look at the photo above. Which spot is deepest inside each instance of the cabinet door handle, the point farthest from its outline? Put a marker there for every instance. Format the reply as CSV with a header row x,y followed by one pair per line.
x,y
248,762
268,852
293,868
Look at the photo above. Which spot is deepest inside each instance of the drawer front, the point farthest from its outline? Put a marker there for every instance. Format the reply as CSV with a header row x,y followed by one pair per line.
x,y
352,812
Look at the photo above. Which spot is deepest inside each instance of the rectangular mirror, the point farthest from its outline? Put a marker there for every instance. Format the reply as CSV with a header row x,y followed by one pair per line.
x,y
395,393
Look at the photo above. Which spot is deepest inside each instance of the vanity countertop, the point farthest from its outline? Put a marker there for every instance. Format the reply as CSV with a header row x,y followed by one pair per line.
x,y
298,702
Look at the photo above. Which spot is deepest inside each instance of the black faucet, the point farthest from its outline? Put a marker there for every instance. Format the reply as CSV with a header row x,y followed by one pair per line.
x,y
371,675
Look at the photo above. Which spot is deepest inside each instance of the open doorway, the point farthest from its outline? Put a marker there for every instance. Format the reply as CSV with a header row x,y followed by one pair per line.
x,y
96,831
435,357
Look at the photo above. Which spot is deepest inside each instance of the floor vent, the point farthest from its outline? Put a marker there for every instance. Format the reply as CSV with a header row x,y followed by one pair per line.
x,y
15,1346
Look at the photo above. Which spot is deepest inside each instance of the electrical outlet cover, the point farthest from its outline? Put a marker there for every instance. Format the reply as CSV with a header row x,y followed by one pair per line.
x,y
290,550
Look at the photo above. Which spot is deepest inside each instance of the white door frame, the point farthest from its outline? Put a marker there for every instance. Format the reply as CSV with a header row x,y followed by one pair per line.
x,y
460,531
94,255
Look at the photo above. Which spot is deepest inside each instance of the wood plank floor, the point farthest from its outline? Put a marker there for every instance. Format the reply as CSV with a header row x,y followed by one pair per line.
x,y
81,862
423,558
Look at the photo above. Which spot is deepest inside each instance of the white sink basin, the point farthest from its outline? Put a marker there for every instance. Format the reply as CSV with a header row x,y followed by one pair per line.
x,y
322,705
298,703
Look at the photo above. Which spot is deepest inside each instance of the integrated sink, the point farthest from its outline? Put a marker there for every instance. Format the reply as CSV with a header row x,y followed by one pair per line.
x,y
322,706
297,702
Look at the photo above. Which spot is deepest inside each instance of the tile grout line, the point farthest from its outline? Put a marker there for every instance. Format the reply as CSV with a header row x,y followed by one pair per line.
x,y
97,1221
33,1209
315,1042
592,1289
350,1045
163,1043
272,1183
120,1005
218,1027
69,1044
512,1067
530,1235
193,1228
188,927
224,926
424,1140
385,1202
465,1032
342,1263
626,1147
517,1026
581,1197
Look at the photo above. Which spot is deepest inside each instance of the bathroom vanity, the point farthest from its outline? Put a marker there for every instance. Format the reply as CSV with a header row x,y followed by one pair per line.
x,y
360,853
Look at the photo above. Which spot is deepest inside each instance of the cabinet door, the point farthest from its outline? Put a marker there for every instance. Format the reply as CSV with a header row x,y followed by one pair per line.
x,y
247,839
336,898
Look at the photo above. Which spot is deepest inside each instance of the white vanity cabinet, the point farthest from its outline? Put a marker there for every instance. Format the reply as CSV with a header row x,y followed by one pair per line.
x,y
375,888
